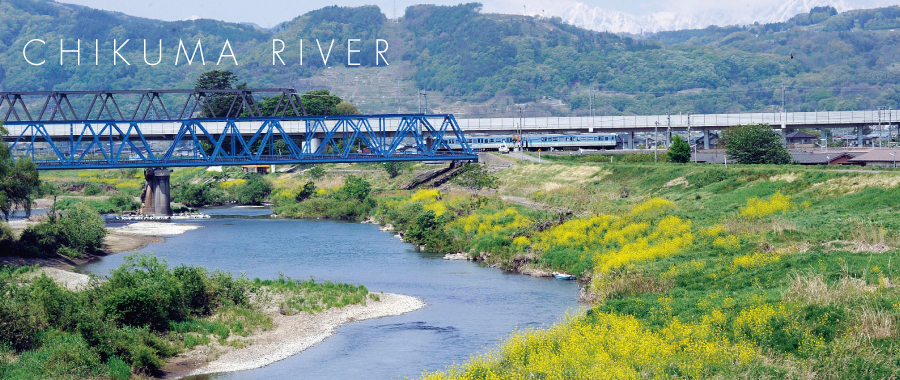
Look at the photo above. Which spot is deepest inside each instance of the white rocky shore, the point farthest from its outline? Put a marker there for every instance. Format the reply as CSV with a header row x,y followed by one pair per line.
x,y
155,228
294,333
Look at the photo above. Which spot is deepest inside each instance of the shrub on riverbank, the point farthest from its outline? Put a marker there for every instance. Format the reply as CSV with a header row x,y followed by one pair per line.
x,y
76,231
145,313
114,204
351,201
310,296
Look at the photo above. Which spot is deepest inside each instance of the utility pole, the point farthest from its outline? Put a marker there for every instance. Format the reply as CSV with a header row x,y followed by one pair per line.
x,y
656,141
668,131
419,98
424,95
592,105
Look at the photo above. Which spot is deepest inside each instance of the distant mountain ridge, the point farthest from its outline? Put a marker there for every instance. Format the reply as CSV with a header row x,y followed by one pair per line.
x,y
484,64
613,21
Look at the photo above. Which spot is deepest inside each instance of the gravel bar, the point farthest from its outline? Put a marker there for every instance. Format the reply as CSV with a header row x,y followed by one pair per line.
x,y
295,333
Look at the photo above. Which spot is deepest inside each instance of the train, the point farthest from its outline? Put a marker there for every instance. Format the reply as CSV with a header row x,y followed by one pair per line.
x,y
538,141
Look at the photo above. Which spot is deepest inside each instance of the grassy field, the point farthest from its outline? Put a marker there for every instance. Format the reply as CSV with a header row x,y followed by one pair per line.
x,y
700,272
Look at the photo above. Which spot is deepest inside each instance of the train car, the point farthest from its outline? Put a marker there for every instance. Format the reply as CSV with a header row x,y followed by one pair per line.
x,y
554,141
493,142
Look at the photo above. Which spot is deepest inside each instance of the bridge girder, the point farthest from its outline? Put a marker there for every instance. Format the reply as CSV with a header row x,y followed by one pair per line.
x,y
122,144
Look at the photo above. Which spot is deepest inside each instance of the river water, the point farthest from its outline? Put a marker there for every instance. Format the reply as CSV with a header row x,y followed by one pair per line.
x,y
471,308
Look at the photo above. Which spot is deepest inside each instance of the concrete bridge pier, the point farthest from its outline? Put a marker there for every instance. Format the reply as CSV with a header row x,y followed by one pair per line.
x,y
705,139
156,194
314,144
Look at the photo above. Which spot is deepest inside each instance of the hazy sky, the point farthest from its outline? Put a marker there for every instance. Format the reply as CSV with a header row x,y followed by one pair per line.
x,y
273,12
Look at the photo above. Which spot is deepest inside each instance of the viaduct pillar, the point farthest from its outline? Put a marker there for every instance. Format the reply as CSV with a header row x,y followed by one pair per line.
x,y
314,144
156,194
705,139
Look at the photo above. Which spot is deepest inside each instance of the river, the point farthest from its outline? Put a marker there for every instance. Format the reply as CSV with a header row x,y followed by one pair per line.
x,y
471,308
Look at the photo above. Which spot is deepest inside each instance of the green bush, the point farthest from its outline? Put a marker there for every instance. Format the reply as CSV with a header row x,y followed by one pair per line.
x,y
308,190
680,151
755,144
199,194
356,187
253,192
91,189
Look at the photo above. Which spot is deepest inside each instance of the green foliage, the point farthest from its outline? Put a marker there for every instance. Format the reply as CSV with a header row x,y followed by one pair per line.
x,y
394,168
19,182
356,187
317,172
475,177
345,108
680,151
254,191
219,104
130,323
114,204
92,189
308,190
312,297
755,144
320,102
198,195
79,230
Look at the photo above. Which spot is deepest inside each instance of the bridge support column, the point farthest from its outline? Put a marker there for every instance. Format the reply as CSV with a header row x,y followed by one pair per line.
x,y
705,139
156,194
631,140
314,145
859,136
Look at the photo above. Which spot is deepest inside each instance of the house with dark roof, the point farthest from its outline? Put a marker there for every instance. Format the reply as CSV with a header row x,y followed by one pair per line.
x,y
877,157
801,139
820,158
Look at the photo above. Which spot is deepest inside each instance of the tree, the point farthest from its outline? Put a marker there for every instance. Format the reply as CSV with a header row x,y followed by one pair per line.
x,y
475,177
755,144
345,108
316,172
308,190
255,191
219,103
19,182
320,102
393,168
680,151
356,187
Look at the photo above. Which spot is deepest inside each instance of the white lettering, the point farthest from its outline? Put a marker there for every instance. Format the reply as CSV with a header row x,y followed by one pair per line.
x,y
325,57
24,53
378,53
222,54
276,53
116,52
145,54
190,60
63,50
351,51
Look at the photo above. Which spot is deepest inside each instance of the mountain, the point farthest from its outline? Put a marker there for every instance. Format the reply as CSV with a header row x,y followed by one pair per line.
x,y
478,64
607,20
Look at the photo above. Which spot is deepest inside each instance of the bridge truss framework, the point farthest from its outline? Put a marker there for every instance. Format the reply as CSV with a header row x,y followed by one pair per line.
x,y
103,136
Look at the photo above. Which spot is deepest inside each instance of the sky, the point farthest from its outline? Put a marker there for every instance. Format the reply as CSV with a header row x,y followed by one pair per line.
x,y
272,12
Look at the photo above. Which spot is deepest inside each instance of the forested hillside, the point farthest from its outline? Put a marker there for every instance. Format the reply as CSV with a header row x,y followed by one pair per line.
x,y
483,64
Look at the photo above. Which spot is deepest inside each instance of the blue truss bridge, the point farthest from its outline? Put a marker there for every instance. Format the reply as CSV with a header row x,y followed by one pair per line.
x,y
177,128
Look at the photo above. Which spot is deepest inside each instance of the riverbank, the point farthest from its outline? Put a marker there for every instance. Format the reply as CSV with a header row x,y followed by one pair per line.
x,y
292,334
129,238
